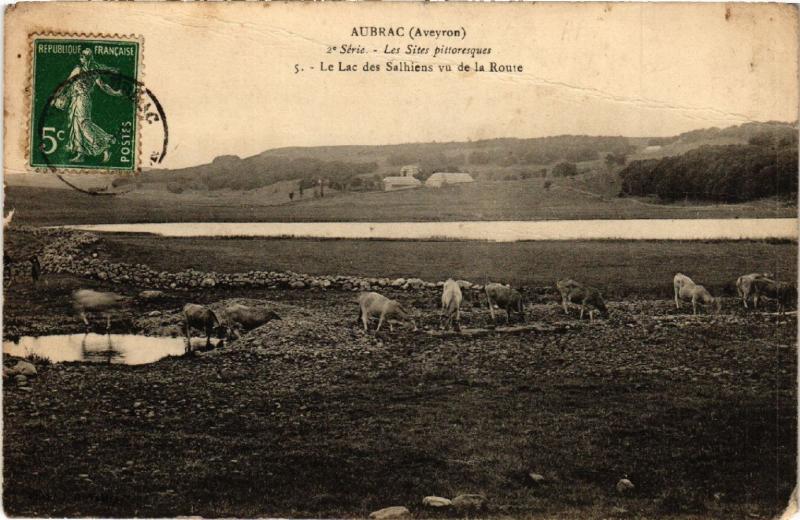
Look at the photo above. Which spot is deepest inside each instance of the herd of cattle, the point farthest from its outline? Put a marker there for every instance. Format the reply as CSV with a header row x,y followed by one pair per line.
x,y
231,320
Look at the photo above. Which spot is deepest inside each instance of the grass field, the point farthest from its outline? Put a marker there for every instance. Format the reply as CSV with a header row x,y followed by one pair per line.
x,y
509,200
620,268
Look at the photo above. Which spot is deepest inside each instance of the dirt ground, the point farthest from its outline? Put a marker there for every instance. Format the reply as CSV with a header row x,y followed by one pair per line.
x,y
311,417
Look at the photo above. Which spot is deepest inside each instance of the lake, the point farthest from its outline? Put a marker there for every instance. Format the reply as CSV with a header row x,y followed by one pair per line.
x,y
500,231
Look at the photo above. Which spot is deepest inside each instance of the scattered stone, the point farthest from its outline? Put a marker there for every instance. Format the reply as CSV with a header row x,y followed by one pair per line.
x,y
619,512
414,283
25,368
390,513
624,485
21,379
153,314
469,502
151,295
208,282
434,501
536,477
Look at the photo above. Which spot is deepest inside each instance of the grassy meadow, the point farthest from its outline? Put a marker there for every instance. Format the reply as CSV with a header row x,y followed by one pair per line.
x,y
580,198
621,268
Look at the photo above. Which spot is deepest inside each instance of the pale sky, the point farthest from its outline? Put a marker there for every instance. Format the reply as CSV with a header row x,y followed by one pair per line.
x,y
226,78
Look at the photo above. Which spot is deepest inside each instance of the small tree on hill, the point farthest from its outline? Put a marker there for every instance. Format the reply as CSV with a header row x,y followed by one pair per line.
x,y
565,169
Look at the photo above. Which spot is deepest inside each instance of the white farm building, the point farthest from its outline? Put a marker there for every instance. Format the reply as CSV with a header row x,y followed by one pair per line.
x,y
400,183
439,179
404,181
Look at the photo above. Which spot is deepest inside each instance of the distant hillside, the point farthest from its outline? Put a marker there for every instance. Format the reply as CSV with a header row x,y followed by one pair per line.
x,y
360,167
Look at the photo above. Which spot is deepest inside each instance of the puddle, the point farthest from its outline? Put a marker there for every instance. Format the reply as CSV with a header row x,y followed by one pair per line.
x,y
124,349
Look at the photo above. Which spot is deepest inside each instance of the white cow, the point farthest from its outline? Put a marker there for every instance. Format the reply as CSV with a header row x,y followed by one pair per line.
x,y
106,303
686,289
374,304
451,304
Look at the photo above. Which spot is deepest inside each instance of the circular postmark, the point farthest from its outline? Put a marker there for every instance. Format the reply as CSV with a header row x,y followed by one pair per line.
x,y
140,140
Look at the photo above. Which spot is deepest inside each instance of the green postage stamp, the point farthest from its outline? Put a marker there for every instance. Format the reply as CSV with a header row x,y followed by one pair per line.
x,y
84,97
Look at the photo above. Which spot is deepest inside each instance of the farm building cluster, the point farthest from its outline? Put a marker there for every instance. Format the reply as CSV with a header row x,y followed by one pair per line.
x,y
408,180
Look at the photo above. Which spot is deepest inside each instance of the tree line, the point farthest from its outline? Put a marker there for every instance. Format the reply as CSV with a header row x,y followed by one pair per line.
x,y
764,167
511,152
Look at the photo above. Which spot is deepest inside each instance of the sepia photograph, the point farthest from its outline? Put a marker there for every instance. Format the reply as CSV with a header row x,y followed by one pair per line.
x,y
400,260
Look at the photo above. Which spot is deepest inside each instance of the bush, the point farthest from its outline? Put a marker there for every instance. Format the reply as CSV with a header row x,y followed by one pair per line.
x,y
565,169
174,187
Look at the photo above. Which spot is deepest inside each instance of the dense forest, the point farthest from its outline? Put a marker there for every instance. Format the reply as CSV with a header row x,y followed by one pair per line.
x,y
766,166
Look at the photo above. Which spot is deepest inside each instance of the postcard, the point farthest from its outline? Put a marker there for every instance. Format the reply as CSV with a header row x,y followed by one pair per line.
x,y
400,260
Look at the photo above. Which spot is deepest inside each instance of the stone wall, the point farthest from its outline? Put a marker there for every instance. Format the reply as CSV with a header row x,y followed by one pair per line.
x,y
65,251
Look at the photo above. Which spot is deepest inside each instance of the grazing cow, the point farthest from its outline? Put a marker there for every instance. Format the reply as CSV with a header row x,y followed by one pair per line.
x,y
7,218
575,292
686,289
238,316
506,298
201,318
744,285
372,304
36,268
451,304
785,293
88,300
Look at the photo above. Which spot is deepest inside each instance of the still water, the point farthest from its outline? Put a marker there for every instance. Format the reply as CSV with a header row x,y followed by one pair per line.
x,y
127,349
500,231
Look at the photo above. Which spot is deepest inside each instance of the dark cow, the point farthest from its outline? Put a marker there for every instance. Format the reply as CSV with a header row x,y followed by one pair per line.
x,y
784,293
506,298
201,318
238,317
575,292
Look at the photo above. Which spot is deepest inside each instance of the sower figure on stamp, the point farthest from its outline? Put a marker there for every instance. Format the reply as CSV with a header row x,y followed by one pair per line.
x,y
36,268
85,137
